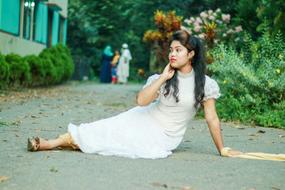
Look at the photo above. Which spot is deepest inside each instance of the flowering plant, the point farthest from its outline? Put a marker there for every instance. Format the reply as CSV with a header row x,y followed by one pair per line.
x,y
213,27
166,23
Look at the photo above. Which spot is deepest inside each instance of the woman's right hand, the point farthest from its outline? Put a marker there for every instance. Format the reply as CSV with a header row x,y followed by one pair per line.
x,y
168,72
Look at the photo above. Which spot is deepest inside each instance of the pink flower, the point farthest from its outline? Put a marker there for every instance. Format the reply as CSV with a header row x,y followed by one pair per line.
x,y
199,20
238,29
202,36
203,15
211,17
187,21
197,28
230,31
218,10
226,18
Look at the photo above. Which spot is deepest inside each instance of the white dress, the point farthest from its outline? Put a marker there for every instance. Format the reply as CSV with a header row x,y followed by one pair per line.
x,y
151,131
124,66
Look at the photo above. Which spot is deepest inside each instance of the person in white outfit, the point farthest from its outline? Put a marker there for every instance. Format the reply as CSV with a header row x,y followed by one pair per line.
x,y
123,69
166,104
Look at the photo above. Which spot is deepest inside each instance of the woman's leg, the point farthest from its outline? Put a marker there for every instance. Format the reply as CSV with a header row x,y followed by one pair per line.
x,y
52,143
64,141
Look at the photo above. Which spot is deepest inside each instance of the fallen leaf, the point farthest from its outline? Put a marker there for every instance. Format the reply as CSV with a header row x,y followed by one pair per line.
x,y
186,188
16,123
3,178
53,169
156,184
260,131
275,188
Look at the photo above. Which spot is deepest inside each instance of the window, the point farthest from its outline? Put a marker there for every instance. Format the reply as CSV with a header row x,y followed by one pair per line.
x,y
10,16
29,6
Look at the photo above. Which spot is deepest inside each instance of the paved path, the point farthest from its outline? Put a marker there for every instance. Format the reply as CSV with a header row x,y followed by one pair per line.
x,y
195,165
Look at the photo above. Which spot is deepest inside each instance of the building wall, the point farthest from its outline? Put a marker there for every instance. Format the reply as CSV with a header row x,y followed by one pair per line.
x,y
12,43
62,4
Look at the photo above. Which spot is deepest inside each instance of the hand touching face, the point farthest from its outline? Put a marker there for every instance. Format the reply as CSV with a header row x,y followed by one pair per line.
x,y
168,72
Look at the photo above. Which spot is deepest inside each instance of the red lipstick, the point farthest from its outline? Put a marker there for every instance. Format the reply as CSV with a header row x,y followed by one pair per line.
x,y
172,59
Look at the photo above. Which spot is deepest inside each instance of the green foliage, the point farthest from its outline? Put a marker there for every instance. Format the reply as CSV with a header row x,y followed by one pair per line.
x,y
19,70
272,16
58,63
259,16
38,71
53,66
91,26
247,9
252,81
5,72
51,76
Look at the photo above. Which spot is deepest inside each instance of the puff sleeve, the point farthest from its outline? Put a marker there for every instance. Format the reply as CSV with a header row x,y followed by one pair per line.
x,y
151,79
211,89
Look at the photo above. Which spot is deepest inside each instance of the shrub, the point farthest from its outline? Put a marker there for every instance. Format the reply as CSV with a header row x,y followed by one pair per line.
x,y
58,62
253,85
19,70
51,71
37,69
5,72
65,57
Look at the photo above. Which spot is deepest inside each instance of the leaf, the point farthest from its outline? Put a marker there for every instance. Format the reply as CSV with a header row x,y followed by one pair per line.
x,y
3,178
53,169
260,131
157,184
3,123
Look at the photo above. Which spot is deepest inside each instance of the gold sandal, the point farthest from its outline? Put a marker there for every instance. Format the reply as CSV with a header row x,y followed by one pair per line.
x,y
33,144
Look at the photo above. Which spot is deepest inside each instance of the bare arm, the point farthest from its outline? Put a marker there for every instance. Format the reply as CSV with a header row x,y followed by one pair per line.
x,y
215,128
213,123
148,94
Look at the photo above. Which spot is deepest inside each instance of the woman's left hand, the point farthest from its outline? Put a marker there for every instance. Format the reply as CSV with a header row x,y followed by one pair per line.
x,y
228,152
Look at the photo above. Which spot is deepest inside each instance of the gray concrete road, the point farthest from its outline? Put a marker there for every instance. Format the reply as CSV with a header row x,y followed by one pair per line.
x,y
195,165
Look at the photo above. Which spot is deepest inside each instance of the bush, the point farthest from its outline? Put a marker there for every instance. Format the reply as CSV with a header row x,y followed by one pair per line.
x,y
19,70
252,83
59,64
65,58
53,66
37,69
5,72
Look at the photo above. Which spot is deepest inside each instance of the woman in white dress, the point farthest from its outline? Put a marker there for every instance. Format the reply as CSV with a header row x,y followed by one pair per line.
x,y
123,70
165,106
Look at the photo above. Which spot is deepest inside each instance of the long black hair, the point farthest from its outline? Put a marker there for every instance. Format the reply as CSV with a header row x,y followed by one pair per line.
x,y
192,43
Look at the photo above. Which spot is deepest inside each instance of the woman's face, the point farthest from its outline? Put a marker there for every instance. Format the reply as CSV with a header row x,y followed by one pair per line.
x,y
179,56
